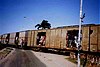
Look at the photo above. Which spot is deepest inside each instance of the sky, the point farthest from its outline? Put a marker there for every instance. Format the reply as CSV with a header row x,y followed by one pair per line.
x,y
57,12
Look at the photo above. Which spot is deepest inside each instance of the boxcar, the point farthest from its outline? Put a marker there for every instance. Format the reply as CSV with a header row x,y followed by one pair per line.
x,y
64,37
58,38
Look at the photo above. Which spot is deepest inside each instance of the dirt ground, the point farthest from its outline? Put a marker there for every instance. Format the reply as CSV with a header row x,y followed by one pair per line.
x,y
29,58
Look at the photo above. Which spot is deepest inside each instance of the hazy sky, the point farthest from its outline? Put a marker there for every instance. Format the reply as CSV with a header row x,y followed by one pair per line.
x,y
57,12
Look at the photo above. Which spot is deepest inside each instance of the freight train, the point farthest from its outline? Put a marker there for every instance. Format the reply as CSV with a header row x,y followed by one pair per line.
x,y
57,38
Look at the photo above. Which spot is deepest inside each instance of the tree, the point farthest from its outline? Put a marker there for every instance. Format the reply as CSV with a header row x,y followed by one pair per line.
x,y
44,24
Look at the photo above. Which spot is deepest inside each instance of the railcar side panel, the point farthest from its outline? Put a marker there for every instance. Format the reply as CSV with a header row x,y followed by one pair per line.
x,y
0,38
3,38
22,34
52,38
2,41
48,38
5,35
63,39
29,38
32,38
85,38
99,38
35,38
12,38
57,42
93,39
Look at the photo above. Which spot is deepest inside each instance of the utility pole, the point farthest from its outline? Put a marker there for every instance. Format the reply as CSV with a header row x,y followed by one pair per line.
x,y
79,34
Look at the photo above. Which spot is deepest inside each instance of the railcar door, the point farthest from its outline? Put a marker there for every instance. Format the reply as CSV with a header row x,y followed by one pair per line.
x,y
71,35
17,38
7,38
41,38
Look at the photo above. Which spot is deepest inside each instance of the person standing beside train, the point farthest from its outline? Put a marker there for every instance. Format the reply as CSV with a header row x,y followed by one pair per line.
x,y
22,43
16,41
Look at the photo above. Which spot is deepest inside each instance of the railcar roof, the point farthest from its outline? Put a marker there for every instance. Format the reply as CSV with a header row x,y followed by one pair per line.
x,y
60,27
78,25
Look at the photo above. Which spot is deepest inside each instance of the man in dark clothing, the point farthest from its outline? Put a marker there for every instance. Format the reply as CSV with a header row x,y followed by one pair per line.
x,y
84,60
